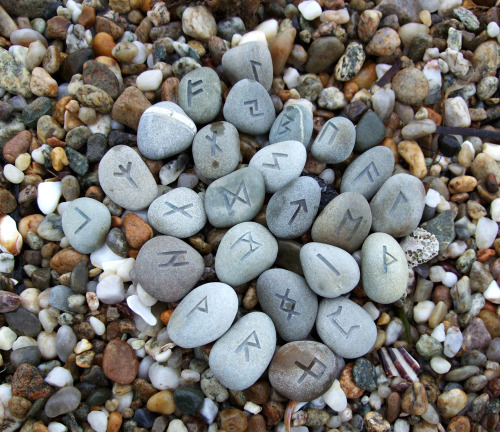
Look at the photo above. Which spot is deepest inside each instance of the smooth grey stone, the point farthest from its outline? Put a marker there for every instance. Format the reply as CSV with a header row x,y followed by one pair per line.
x,y
335,141
66,341
86,223
384,269
216,150
280,163
294,123
179,213
249,107
370,131
322,53
292,209
203,316
23,322
200,95
289,255
167,268
346,328
250,60
228,27
51,228
368,172
245,251
398,205
58,297
241,356
164,130
303,370
126,179
235,198
345,222
288,300
329,270
29,354
63,401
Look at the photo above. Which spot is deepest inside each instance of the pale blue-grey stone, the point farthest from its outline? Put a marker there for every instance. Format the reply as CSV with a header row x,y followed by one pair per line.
x,y
294,123
66,341
63,401
58,297
335,141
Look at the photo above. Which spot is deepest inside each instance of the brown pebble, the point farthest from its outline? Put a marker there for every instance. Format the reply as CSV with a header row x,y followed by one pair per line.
x,y
39,427
233,420
258,393
256,423
129,106
19,406
114,422
120,362
459,424
8,202
9,301
351,390
374,422
491,321
393,407
29,223
137,232
415,399
18,145
170,90
65,260
273,412
103,44
28,383
87,17
57,27
462,184
162,403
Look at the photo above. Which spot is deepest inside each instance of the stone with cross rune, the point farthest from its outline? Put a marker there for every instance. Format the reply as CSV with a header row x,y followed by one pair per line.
x,y
335,141
294,123
384,269
86,223
179,213
242,354
346,328
245,251
288,300
200,95
303,370
203,316
126,179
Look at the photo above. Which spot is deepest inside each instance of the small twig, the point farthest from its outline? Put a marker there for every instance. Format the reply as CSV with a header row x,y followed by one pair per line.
x,y
390,73
481,133
406,325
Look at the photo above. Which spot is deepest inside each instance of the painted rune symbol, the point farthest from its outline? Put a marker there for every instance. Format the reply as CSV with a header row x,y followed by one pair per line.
x,y
247,343
181,210
387,263
202,306
366,171
84,224
401,197
283,127
254,65
214,148
173,261
287,302
126,173
308,370
275,165
334,133
191,93
334,315
230,198
247,238
328,264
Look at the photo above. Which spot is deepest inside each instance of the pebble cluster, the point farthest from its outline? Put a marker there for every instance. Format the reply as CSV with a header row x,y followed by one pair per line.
x,y
246,215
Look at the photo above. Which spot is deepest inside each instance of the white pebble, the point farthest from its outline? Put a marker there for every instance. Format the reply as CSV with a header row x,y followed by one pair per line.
x,y
492,29
422,311
163,377
97,325
97,421
102,255
190,376
486,232
401,425
7,338
449,279
456,112
372,310
433,198
453,341
38,154
252,408
456,249
440,365
123,270
48,319
59,377
492,293
436,273
393,331
340,16
23,161
431,415
140,309
253,36
111,290
492,150
23,342
29,299
48,197
291,77
439,333
334,422
269,28
141,55
381,69
56,427
75,9
328,175
208,410
47,345
149,80
335,397
43,298
310,9
13,174
375,401
82,346
176,425
384,391
495,210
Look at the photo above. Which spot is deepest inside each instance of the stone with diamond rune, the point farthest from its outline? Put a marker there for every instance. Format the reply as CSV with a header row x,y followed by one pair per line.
x,y
294,123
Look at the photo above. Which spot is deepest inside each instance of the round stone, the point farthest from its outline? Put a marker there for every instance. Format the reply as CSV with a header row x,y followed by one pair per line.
x,y
370,131
188,400
448,145
411,86
63,401
335,141
294,123
120,362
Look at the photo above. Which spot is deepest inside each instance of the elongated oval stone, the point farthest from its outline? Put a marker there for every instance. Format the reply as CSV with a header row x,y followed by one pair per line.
x,y
384,268
344,222
368,172
240,357
346,328
203,316
63,401
294,123
288,300
235,198
398,205
303,370
126,179
329,270
335,141
167,268
280,163
245,251
292,209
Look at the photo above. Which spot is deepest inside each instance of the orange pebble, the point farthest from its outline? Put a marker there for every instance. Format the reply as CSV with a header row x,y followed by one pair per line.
x,y
434,116
350,89
114,422
103,44
490,306
116,222
165,316
324,78
55,142
366,76
483,255
132,253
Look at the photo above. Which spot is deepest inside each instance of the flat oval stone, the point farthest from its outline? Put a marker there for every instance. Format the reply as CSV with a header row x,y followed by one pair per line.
x,y
241,356
398,205
63,401
216,150
164,130
344,222
249,107
288,300
200,95
370,131
346,328
335,141
303,370
126,179
167,268
23,322
294,123
280,163
86,223
292,209
179,213
235,198
204,315
368,172
384,268
329,270
250,60
119,362
245,251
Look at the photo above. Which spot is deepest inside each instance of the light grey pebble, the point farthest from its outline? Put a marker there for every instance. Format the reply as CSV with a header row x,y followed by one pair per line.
x,y
66,341
398,205
346,328
329,270
126,179
335,141
249,107
368,172
200,95
51,228
294,123
280,163
58,297
384,269
179,213
235,198
239,358
86,223
345,222
288,300
164,130
203,316
250,60
216,150
292,209
63,401
245,251
171,171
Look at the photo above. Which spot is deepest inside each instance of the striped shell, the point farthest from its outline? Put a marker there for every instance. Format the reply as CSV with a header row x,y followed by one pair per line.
x,y
398,362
